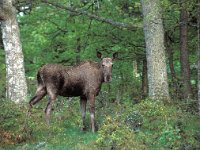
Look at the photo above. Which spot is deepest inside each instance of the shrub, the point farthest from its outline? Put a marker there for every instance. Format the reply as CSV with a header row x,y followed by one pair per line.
x,y
10,114
12,122
150,124
114,134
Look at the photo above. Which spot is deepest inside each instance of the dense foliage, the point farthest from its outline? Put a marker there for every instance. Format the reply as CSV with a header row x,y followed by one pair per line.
x,y
125,119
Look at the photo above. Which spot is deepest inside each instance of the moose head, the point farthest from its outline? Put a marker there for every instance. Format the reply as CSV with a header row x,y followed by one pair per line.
x,y
106,66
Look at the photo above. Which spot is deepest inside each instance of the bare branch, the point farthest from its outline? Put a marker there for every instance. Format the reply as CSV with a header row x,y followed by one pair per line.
x,y
95,17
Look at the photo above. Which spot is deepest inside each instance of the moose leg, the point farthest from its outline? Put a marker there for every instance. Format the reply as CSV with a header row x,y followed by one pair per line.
x,y
48,109
40,93
83,102
92,111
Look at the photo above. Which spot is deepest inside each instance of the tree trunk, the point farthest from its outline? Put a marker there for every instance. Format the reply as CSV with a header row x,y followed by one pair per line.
x,y
1,41
135,69
169,50
155,50
78,50
198,52
144,79
170,56
184,57
16,86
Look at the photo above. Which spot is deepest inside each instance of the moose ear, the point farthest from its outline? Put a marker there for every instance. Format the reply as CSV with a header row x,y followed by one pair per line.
x,y
115,55
99,55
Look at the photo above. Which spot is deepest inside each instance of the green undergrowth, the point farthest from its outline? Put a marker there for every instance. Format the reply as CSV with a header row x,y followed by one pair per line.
x,y
150,124
23,131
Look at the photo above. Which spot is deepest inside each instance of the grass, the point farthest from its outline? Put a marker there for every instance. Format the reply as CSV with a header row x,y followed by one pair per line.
x,y
63,133
69,138
162,127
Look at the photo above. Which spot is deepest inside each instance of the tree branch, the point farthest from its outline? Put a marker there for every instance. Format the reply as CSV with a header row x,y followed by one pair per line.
x,y
95,17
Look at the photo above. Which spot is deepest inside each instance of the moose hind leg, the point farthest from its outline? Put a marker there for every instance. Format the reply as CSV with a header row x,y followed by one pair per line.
x,y
83,102
52,97
40,93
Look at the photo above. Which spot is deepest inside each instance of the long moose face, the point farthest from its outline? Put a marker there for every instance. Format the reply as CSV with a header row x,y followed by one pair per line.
x,y
106,65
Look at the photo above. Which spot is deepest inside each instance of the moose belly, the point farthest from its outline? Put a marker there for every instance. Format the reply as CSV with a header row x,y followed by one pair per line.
x,y
72,91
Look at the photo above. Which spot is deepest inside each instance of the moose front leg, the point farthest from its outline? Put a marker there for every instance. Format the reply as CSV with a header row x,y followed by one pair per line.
x,y
83,102
91,99
48,109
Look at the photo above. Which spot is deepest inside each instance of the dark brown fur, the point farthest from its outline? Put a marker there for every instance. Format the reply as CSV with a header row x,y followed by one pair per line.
x,y
82,80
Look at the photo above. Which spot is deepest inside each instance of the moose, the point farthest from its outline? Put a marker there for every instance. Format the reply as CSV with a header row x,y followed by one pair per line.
x,y
83,80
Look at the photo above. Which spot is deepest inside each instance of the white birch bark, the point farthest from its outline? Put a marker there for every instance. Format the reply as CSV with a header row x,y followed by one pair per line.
x,y
16,87
155,50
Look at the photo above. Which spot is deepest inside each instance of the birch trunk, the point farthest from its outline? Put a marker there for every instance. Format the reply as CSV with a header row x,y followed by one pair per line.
x,y
155,50
16,87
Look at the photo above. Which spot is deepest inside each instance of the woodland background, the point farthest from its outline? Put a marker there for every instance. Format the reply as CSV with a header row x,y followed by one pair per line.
x,y
153,101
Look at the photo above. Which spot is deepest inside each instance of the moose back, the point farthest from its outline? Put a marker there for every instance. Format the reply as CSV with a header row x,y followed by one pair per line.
x,y
83,80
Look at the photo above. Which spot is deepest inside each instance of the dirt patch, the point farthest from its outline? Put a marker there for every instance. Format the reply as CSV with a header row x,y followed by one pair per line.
x,y
7,138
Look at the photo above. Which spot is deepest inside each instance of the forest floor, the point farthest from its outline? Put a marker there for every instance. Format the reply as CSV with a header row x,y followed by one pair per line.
x,y
149,124
68,139
31,132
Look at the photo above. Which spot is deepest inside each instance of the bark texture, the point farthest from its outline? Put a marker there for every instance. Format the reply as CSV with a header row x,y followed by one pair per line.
x,y
16,86
198,52
184,57
155,50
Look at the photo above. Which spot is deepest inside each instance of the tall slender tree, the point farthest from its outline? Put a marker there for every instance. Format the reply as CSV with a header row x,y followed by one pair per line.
x,y
184,56
198,52
16,85
155,50
170,53
169,50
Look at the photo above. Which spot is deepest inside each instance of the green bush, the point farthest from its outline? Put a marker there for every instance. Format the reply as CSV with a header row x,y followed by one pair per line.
x,y
10,115
12,123
134,120
114,134
170,137
150,124
165,126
